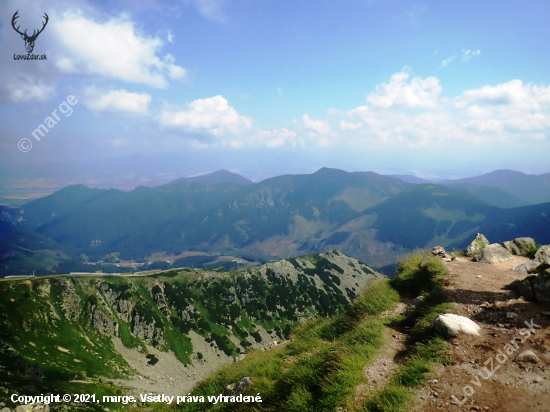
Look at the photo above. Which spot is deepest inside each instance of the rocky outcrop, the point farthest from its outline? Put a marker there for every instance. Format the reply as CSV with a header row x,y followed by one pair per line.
x,y
124,309
70,299
525,289
440,252
238,388
537,286
527,267
543,254
103,324
189,313
109,294
450,325
146,331
33,407
479,243
521,246
494,253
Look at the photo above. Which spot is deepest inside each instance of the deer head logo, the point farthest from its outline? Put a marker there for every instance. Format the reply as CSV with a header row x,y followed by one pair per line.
x,y
29,40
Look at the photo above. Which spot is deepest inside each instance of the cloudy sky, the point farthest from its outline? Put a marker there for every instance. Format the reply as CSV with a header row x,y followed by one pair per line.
x,y
265,87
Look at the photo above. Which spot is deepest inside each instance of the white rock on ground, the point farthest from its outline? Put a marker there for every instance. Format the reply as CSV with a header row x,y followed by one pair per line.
x,y
527,356
450,325
543,254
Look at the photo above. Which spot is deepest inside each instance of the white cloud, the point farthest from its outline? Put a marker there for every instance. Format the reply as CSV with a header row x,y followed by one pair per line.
x,y
277,138
512,92
334,112
350,126
211,9
398,92
478,111
465,56
468,54
119,101
116,49
484,125
448,61
25,89
318,126
213,115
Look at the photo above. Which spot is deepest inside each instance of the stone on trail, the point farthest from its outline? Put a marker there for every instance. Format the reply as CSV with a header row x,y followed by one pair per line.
x,y
527,356
527,267
494,253
440,252
450,325
520,246
543,254
477,245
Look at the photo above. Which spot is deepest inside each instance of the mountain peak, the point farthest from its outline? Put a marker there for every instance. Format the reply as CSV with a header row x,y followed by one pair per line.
x,y
214,178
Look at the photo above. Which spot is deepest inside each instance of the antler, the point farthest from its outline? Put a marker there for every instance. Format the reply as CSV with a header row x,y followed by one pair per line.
x,y
15,16
42,29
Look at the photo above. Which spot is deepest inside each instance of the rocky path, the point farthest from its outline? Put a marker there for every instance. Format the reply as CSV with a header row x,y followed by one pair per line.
x,y
379,372
478,292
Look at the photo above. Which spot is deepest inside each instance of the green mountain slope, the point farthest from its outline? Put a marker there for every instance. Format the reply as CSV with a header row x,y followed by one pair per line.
x,y
221,216
64,330
372,217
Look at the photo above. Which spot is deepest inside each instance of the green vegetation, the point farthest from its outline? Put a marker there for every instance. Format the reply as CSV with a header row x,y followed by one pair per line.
x,y
428,348
64,325
321,366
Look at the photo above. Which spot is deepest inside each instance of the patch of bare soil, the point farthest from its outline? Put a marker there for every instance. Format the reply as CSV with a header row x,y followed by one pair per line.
x,y
478,292
379,372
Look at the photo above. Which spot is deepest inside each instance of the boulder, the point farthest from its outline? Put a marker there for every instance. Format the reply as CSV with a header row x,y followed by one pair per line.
x,y
527,267
477,245
521,246
240,357
525,289
494,253
527,356
536,286
239,387
440,252
415,303
541,284
543,254
33,407
450,325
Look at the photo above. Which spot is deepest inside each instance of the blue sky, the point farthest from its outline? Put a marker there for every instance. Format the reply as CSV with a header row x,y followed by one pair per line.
x,y
261,87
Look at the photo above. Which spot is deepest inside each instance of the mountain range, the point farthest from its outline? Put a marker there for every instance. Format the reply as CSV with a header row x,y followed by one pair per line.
x,y
369,216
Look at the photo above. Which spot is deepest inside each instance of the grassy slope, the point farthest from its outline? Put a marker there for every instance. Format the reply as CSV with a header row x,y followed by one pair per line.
x,y
322,365
426,347
319,369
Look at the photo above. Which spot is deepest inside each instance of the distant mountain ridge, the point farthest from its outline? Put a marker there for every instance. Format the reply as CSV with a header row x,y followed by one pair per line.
x,y
215,178
369,216
530,188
